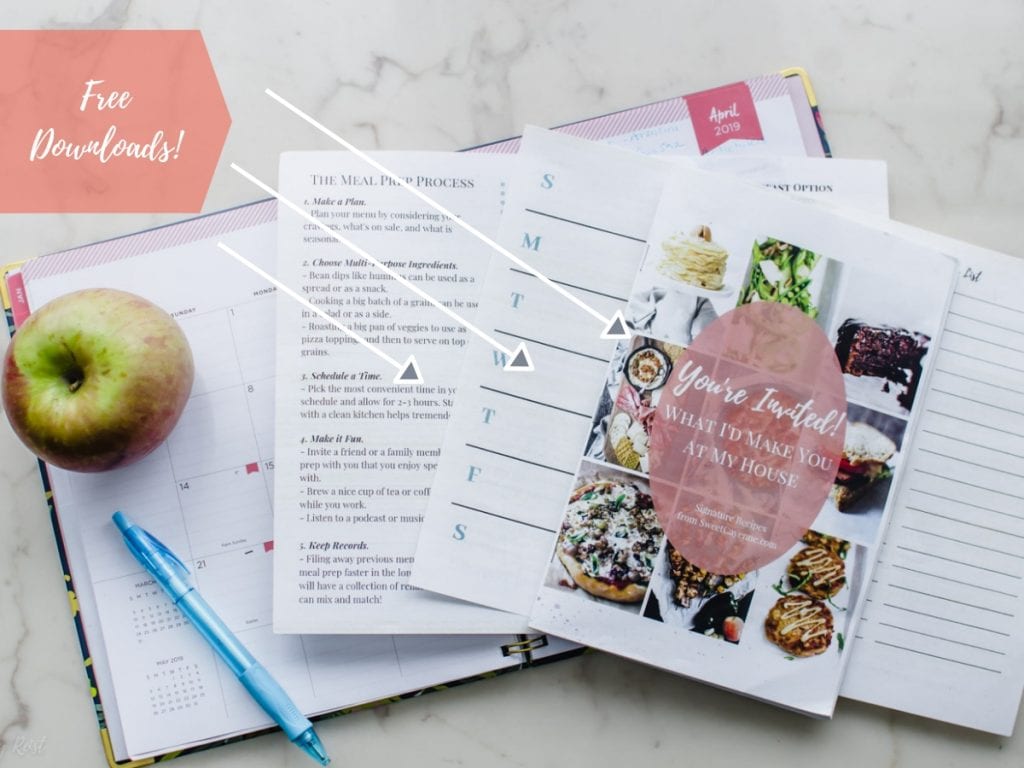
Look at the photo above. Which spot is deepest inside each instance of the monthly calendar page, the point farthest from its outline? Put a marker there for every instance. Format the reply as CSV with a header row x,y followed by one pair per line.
x,y
206,492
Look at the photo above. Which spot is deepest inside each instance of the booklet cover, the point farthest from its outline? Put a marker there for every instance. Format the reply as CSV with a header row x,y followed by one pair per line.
x,y
727,510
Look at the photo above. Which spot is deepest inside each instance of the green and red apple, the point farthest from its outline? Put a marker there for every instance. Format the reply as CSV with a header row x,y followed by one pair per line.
x,y
96,379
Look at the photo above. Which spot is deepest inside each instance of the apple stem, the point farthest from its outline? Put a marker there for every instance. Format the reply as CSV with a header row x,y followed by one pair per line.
x,y
76,376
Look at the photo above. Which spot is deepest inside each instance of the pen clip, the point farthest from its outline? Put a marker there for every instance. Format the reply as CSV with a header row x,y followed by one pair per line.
x,y
166,551
141,543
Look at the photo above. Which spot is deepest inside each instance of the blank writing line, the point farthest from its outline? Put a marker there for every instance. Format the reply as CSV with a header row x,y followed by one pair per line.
x,y
979,381
521,459
962,460
958,562
940,658
940,637
602,360
985,322
973,423
571,285
536,402
976,445
587,226
970,485
945,618
966,522
966,503
981,359
961,541
984,340
987,301
951,600
979,402
502,517
986,587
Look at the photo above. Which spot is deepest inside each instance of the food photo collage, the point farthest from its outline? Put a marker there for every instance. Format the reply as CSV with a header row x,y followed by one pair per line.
x,y
612,550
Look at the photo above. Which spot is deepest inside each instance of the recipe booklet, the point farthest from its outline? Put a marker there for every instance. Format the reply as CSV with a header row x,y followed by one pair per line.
x,y
513,440
725,515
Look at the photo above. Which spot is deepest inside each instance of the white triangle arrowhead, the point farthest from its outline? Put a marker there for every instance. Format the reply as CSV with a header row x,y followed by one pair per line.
x,y
409,373
617,328
520,360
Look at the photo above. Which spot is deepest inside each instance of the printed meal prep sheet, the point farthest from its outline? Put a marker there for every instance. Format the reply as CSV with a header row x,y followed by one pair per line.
x,y
356,452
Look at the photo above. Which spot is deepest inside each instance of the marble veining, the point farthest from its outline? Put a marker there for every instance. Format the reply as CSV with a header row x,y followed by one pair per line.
x,y
935,89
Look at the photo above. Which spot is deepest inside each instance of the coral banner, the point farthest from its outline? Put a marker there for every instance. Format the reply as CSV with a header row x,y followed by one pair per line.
x,y
108,121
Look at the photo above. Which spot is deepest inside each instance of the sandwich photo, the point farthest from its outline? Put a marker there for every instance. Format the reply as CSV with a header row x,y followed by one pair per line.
x,y
865,453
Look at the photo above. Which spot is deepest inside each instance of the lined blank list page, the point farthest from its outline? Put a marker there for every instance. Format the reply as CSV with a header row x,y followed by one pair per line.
x,y
941,633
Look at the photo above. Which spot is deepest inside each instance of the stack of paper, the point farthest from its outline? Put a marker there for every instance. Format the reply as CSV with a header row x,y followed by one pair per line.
x,y
490,499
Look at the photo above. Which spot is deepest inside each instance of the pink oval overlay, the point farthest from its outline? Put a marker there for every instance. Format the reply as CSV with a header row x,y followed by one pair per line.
x,y
747,438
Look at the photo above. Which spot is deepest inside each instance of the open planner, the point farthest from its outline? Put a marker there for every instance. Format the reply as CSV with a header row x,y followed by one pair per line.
x,y
208,492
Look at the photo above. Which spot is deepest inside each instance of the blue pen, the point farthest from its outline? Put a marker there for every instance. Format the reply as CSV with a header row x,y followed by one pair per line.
x,y
171,574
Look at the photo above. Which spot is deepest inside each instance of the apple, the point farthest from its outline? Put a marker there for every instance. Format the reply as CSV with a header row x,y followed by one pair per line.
x,y
96,379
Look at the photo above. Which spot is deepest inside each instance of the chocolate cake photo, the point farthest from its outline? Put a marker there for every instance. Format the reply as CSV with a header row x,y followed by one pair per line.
x,y
891,354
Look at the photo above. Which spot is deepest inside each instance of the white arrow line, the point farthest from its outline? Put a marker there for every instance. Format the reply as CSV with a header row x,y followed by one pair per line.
x,y
614,327
510,354
408,372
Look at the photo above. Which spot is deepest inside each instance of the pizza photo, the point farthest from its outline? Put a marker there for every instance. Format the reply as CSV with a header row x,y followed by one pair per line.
x,y
609,539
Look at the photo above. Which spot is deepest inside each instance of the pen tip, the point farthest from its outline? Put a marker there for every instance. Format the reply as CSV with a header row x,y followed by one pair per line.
x,y
310,743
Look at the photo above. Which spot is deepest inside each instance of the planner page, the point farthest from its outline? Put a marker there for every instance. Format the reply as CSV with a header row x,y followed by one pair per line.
x,y
356,450
206,492
513,442
943,627
727,505
768,114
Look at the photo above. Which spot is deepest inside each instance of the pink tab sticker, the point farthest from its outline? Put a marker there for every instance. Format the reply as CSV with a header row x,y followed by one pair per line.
x,y
747,438
722,114
18,298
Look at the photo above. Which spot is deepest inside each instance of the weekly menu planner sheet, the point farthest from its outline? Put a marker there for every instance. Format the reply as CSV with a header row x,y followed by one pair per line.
x,y
207,493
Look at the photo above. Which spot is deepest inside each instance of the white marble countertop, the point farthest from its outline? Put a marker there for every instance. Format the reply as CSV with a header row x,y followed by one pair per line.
x,y
936,89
